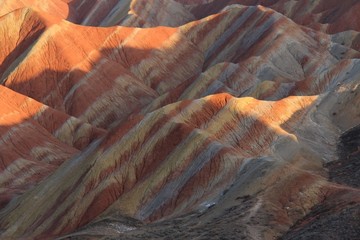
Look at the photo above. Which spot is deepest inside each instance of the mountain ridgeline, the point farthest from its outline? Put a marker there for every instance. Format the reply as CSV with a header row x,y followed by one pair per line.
x,y
179,119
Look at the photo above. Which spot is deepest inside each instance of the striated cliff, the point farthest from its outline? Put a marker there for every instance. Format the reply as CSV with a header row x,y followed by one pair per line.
x,y
179,119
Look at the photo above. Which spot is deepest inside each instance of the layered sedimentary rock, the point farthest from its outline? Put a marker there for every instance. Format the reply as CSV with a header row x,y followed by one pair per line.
x,y
201,119
135,13
120,61
35,141
323,15
57,8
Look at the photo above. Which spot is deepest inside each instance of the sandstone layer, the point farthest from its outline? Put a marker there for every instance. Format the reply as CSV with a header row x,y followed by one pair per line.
x,y
179,119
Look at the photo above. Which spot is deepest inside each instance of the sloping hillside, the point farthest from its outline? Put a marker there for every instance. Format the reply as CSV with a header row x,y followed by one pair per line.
x,y
179,119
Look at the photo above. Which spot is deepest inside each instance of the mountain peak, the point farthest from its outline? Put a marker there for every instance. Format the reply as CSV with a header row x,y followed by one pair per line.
x,y
234,119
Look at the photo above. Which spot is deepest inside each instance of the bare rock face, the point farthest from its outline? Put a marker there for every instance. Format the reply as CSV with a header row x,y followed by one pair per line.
x,y
57,8
336,217
321,15
181,119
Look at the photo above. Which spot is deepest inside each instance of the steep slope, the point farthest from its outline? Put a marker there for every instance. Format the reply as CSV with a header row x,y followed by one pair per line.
x,y
157,13
96,13
328,16
199,145
18,39
218,133
252,51
322,15
111,59
134,13
220,125
28,150
343,220
56,8
272,189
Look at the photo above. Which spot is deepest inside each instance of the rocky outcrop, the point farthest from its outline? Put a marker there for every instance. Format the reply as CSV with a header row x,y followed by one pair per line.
x,y
134,13
120,61
322,15
35,140
191,118
58,9
338,215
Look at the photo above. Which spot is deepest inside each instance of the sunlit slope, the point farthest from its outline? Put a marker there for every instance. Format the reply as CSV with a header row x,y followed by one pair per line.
x,y
109,69
35,140
166,164
193,118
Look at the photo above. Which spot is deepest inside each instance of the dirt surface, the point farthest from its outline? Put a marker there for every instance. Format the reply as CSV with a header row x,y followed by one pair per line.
x,y
347,169
335,221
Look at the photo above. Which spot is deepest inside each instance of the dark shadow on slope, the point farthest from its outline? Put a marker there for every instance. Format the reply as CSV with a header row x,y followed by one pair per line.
x,y
335,218
328,11
246,33
207,9
328,222
60,83
226,219
26,39
55,122
69,100
18,52
247,141
94,10
40,81
346,171
112,70
258,130
41,140
229,223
